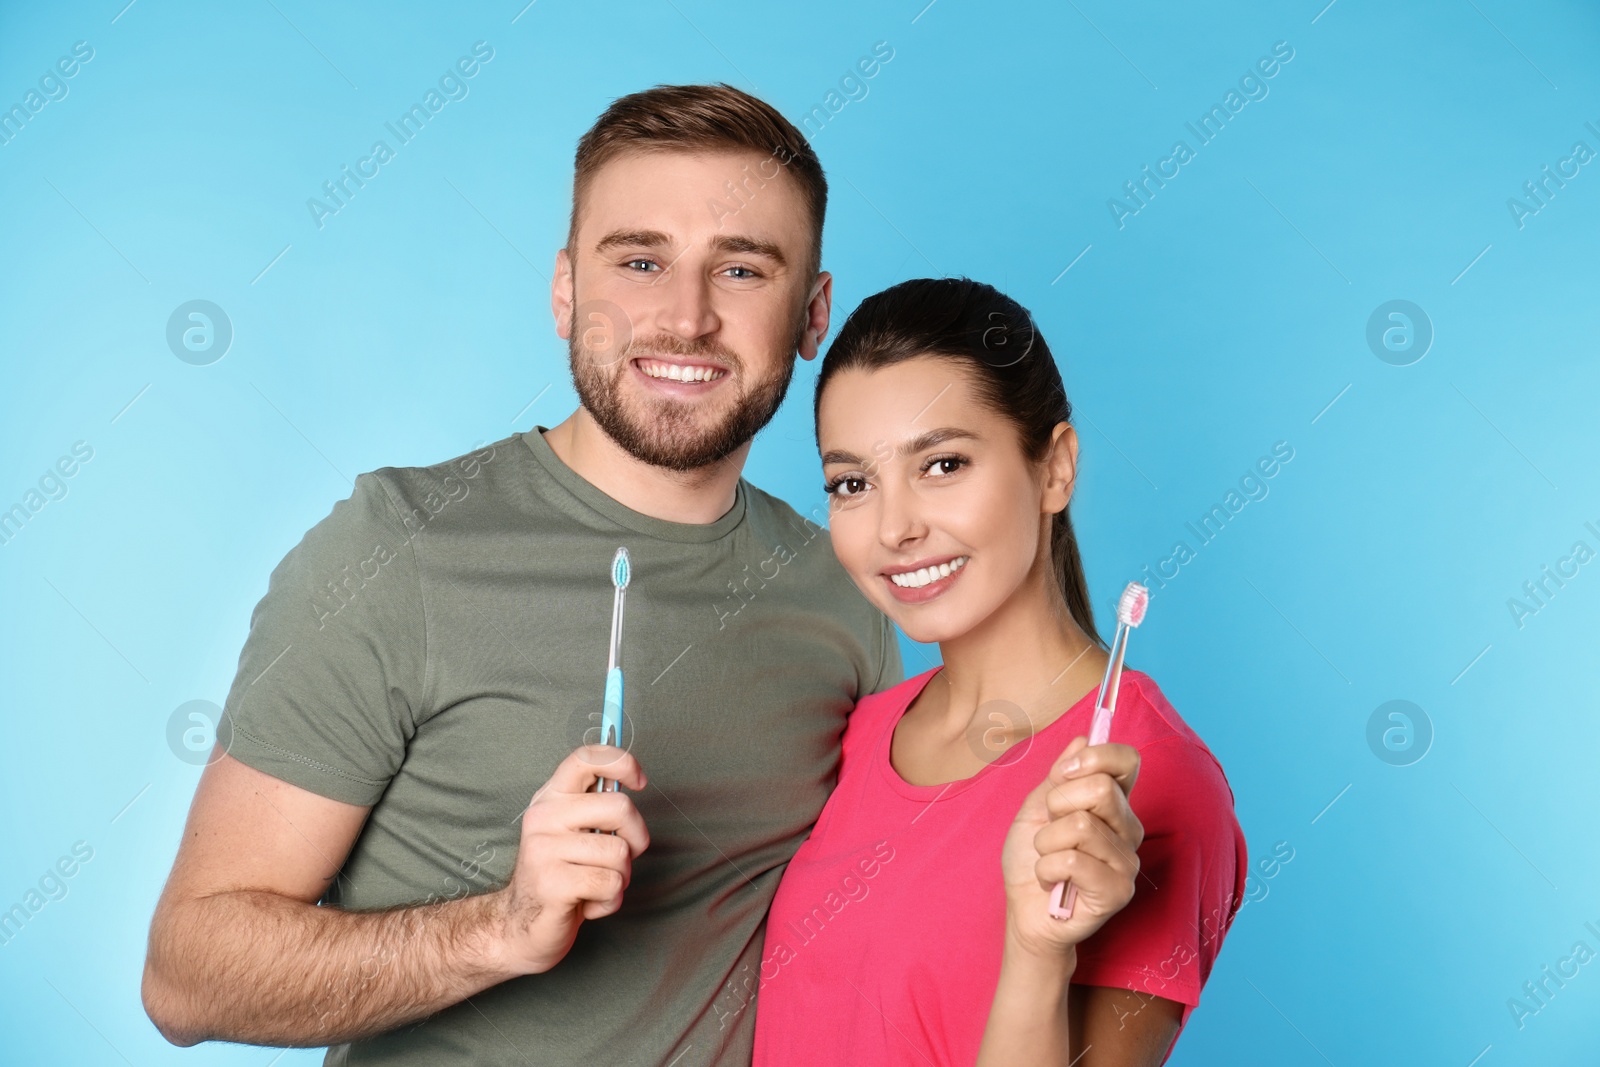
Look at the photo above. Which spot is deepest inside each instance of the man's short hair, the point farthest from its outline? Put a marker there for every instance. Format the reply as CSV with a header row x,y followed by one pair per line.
x,y
700,118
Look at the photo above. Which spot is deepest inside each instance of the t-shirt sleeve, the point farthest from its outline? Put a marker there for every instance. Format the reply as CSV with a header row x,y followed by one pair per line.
x,y
1167,938
330,681
891,671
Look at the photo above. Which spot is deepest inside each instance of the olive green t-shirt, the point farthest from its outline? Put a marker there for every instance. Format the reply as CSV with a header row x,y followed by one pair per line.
x,y
437,645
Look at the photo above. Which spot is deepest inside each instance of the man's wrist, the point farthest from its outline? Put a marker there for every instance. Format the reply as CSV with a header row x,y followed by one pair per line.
x,y
483,937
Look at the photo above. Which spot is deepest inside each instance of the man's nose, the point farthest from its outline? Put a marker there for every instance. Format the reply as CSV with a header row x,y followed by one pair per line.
x,y
688,306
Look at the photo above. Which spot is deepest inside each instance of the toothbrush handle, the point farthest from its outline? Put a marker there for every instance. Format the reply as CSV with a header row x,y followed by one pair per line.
x,y
1063,896
1099,734
1100,727
1058,908
611,718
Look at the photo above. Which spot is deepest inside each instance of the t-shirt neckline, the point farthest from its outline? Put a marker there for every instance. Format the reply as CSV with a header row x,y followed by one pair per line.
x,y
593,498
945,790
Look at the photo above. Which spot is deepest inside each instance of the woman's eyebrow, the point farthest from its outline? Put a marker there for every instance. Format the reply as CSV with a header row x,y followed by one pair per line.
x,y
937,437
918,444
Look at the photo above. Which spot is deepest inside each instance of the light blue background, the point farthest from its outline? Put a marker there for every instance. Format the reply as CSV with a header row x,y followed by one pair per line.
x,y
1227,315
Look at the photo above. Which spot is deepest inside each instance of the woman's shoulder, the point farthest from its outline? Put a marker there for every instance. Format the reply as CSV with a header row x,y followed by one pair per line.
x,y
1142,704
1146,718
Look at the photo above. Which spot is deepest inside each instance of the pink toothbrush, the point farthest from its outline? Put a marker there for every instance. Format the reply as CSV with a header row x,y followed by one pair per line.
x,y
1130,613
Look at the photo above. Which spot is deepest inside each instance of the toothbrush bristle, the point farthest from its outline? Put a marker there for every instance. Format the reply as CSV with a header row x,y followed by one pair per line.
x,y
621,571
1134,603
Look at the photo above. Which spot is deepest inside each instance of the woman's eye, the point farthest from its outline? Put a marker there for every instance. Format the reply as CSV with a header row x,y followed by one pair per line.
x,y
945,465
846,487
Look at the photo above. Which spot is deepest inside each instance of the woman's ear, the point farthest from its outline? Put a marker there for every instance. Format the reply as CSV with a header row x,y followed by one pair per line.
x,y
1060,469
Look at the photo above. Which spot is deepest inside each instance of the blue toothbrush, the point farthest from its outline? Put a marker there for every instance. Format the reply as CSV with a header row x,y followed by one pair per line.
x,y
611,715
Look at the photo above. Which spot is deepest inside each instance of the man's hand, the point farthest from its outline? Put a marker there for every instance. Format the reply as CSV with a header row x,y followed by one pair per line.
x,y
1076,827
567,872
240,950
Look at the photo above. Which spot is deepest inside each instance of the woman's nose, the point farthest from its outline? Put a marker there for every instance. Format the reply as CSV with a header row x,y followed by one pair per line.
x,y
899,519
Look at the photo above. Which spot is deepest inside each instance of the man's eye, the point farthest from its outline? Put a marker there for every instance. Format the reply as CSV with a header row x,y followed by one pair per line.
x,y
741,273
640,264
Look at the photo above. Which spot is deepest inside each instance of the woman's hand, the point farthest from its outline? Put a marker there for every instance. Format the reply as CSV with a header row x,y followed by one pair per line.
x,y
1076,827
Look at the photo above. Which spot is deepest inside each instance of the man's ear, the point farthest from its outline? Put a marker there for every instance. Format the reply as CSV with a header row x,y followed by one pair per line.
x,y
1060,469
819,305
561,298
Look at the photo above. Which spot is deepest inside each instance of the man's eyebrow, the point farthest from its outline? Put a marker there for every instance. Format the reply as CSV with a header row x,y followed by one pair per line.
x,y
918,444
750,246
632,238
739,244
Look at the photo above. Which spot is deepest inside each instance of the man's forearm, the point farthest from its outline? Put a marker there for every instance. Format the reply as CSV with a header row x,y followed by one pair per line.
x,y
256,967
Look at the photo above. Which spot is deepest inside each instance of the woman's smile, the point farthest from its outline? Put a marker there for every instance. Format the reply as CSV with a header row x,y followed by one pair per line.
x,y
922,581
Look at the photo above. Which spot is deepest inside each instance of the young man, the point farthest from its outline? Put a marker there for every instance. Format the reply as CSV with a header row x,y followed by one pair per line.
x,y
430,656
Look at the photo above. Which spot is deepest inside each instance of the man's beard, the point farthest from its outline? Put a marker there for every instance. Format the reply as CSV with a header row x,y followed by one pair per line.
x,y
666,433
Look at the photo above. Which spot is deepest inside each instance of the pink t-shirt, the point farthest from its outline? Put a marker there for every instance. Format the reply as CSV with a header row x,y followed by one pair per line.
x,y
883,944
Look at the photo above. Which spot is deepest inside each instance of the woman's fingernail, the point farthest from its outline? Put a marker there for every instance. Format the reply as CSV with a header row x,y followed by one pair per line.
x,y
1072,765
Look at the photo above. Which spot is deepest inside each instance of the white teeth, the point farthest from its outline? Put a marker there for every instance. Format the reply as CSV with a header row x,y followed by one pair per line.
x,y
919,578
678,373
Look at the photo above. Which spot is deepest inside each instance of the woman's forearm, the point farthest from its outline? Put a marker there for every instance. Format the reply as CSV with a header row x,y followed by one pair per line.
x,y
1028,1018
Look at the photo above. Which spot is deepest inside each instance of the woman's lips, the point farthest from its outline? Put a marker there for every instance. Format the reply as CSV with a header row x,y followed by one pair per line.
x,y
924,593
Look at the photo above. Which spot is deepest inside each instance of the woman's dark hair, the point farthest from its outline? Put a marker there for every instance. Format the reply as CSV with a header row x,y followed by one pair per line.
x,y
981,328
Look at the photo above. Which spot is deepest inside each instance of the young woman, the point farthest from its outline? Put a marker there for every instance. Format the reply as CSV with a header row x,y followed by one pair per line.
x,y
913,925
